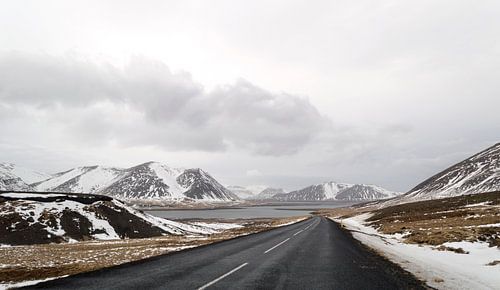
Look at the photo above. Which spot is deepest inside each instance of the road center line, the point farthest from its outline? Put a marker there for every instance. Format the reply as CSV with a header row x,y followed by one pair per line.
x,y
298,232
310,226
269,250
222,277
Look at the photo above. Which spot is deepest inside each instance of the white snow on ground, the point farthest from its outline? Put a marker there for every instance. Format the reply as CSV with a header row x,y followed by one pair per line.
x,y
457,271
478,204
30,195
37,208
26,283
217,226
294,221
168,225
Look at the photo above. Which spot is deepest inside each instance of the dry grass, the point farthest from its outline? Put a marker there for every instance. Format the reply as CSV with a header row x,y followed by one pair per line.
x,y
434,222
34,262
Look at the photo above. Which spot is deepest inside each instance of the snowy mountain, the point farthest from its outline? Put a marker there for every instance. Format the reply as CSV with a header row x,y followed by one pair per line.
x,y
13,177
476,174
247,192
36,218
200,185
336,191
268,193
145,181
87,179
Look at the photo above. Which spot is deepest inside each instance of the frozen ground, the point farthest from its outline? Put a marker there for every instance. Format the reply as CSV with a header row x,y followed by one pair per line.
x,y
440,269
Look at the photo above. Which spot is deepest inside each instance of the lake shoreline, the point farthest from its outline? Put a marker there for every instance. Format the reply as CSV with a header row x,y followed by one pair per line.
x,y
247,211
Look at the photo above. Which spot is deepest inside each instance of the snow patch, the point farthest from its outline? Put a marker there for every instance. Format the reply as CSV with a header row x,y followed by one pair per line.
x,y
457,271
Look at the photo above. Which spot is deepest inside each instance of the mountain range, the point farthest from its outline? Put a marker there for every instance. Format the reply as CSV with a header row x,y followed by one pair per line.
x,y
151,180
158,181
336,191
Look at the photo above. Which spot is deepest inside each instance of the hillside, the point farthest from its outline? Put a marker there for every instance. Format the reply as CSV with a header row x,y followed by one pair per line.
x,y
476,174
37,218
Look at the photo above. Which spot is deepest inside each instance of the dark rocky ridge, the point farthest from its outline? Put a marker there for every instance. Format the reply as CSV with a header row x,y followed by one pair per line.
x,y
201,185
34,218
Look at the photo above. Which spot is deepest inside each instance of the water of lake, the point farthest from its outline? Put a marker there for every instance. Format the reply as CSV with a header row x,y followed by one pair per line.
x,y
262,211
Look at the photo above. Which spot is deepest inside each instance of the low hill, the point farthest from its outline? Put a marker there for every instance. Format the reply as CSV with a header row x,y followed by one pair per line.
x,y
37,218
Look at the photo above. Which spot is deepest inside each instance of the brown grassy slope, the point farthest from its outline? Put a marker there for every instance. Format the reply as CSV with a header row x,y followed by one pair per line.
x,y
433,222
444,220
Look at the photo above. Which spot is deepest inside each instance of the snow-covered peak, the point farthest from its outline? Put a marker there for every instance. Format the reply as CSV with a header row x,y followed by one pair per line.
x,y
84,179
268,193
331,189
247,192
162,169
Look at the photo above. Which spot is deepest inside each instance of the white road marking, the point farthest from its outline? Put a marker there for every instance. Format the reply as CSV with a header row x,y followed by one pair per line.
x,y
310,225
269,250
222,277
298,232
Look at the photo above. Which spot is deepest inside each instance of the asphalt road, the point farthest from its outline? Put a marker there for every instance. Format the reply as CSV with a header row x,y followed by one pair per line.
x,y
312,254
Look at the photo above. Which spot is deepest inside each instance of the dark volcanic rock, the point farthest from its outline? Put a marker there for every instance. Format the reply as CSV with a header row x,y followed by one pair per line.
x,y
202,186
36,218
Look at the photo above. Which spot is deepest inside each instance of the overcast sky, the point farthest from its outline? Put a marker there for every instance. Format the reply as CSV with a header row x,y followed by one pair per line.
x,y
283,93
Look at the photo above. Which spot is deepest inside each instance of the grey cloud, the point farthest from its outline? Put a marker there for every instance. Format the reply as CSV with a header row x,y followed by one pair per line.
x,y
145,103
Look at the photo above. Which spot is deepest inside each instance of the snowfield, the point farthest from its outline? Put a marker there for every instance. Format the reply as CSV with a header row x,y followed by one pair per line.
x,y
440,269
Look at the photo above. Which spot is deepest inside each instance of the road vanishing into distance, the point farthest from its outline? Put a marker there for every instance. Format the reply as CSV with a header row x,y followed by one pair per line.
x,y
312,254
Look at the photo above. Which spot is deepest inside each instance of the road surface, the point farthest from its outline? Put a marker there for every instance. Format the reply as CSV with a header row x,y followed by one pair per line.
x,y
312,254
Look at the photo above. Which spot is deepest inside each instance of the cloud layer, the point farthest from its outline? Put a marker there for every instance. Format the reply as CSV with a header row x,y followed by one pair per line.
x,y
144,103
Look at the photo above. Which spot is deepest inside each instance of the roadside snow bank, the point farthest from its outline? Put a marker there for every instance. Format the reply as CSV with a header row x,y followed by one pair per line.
x,y
217,226
294,221
4,286
440,269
